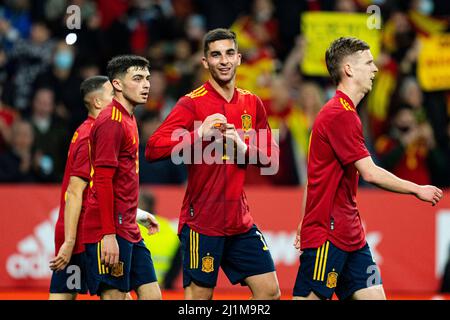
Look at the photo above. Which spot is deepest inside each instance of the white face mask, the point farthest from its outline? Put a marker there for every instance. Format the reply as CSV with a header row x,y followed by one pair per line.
x,y
426,7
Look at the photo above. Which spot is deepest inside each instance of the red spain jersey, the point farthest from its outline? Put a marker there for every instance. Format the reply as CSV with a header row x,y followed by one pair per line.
x,y
215,203
336,143
77,165
114,143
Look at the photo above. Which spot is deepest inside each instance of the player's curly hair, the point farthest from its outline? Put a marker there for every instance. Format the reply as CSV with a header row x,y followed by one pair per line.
x,y
218,34
119,65
338,50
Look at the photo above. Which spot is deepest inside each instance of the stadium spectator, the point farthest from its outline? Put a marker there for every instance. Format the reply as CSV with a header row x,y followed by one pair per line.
x,y
7,118
257,34
283,115
65,81
409,150
18,163
51,135
181,71
259,29
159,100
15,22
162,172
28,58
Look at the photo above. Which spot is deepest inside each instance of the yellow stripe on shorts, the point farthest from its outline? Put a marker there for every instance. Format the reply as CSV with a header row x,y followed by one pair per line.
x,y
317,260
321,262
196,249
98,259
325,262
193,249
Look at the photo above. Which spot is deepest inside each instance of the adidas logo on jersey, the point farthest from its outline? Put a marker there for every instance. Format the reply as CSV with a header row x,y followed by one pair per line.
x,y
34,252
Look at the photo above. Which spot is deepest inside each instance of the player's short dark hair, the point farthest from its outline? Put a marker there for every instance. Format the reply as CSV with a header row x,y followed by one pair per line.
x,y
218,34
338,50
119,65
92,84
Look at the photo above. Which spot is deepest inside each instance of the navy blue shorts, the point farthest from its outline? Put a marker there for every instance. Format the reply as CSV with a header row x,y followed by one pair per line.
x,y
328,269
135,267
72,279
240,256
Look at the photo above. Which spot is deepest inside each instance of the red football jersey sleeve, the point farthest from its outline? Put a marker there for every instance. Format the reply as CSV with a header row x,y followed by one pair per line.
x,y
80,165
346,137
108,139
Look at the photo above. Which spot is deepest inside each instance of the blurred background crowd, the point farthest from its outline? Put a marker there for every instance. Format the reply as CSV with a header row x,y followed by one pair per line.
x,y
407,128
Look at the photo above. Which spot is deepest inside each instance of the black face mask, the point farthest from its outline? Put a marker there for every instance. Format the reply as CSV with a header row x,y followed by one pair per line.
x,y
404,129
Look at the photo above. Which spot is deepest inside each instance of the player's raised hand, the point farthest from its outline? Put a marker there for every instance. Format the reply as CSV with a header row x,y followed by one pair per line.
x,y
211,124
109,254
63,257
430,194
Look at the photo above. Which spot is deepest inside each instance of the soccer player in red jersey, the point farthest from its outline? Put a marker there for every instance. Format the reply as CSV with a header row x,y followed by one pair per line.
x,y
215,227
97,94
336,257
117,260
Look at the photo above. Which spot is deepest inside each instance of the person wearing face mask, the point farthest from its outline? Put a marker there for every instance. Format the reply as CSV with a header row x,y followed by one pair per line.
x,y
423,16
409,149
61,76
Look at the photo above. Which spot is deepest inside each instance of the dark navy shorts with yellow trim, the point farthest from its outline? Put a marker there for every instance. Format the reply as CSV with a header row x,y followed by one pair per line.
x,y
328,269
135,267
240,256
72,279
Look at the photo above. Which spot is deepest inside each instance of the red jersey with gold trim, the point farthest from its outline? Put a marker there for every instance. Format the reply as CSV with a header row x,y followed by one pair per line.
x,y
336,143
215,203
77,165
114,142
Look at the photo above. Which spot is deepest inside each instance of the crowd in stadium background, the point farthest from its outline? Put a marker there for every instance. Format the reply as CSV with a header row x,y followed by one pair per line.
x,y
406,128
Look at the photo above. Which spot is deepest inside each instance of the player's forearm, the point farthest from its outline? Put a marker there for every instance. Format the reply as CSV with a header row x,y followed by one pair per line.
x,y
388,181
103,179
72,213
160,146
72,209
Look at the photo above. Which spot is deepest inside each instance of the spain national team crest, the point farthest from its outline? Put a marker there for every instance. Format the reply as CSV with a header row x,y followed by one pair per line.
x,y
117,270
208,264
332,279
246,122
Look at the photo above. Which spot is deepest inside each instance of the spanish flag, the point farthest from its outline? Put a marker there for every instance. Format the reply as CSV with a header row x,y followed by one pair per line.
x,y
426,25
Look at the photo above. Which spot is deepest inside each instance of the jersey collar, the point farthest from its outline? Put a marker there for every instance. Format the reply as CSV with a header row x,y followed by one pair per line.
x,y
119,106
211,89
340,94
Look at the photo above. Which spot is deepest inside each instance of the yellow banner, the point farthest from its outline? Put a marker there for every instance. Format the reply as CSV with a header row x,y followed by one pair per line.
x,y
433,65
321,28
